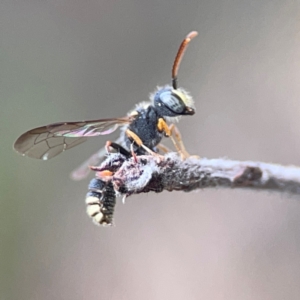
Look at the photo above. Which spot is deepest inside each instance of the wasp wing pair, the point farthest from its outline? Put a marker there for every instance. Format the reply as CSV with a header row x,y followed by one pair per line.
x,y
48,141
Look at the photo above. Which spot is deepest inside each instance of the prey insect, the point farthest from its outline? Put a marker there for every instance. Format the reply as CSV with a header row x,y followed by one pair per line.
x,y
141,130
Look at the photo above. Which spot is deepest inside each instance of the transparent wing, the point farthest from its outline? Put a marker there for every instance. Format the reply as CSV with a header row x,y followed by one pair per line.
x,y
84,169
48,141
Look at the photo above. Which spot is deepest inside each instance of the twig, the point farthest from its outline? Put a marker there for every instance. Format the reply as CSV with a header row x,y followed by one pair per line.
x,y
169,172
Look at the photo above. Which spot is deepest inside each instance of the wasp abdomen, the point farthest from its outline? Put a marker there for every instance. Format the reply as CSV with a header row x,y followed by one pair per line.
x,y
101,201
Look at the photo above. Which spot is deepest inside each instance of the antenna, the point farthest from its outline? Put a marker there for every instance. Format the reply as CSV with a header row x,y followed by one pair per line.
x,y
179,56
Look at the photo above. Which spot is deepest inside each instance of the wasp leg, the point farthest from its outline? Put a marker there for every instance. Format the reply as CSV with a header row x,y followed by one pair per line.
x,y
139,142
83,170
162,126
163,148
168,131
132,153
175,136
117,147
106,173
177,141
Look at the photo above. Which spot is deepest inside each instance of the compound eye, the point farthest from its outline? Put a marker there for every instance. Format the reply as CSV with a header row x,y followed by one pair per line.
x,y
172,101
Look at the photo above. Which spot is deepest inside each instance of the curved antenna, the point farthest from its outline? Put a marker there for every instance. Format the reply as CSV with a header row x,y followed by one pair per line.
x,y
179,56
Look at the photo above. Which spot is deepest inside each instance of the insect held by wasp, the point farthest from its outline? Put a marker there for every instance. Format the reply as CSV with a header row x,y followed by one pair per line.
x,y
142,129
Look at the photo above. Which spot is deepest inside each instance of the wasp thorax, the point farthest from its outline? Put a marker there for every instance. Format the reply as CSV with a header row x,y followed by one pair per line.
x,y
171,103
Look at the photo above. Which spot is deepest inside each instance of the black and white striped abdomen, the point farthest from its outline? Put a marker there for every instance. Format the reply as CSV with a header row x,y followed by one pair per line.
x,y
101,201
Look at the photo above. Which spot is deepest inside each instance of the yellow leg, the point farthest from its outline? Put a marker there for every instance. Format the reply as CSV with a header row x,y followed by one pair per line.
x,y
139,142
162,126
177,141
163,148
174,134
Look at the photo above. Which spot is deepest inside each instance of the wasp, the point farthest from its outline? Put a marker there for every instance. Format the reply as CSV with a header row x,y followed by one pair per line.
x,y
141,130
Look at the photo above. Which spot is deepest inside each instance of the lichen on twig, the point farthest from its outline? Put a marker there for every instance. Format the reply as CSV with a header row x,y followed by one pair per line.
x,y
149,173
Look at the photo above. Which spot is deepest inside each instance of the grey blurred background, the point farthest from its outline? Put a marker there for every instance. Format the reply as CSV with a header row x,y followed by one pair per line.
x,y
74,60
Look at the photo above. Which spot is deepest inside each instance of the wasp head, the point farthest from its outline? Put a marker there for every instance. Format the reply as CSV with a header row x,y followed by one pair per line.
x,y
171,102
